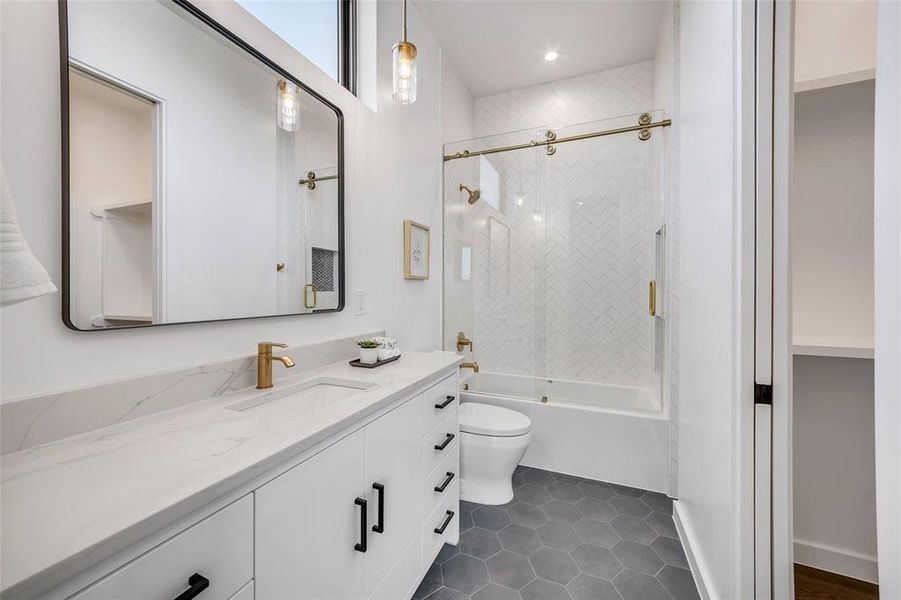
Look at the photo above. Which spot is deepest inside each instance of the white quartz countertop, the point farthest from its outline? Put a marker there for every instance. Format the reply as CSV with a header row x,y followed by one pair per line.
x,y
68,505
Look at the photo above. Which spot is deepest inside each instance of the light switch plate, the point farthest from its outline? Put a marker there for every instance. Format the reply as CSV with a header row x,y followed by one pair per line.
x,y
359,302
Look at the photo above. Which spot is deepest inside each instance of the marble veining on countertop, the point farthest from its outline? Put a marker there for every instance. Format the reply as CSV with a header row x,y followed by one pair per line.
x,y
69,504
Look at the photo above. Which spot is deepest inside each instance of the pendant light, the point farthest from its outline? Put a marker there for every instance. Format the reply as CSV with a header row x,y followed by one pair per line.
x,y
404,55
288,109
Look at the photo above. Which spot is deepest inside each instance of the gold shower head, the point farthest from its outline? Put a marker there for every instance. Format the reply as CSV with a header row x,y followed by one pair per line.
x,y
474,195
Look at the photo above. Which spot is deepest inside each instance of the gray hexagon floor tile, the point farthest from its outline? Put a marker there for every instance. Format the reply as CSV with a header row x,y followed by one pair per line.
x,y
539,477
510,569
637,557
446,593
633,528
558,536
527,515
519,539
663,524
562,512
586,587
493,591
566,492
597,509
566,478
432,581
542,589
596,489
628,491
491,518
465,574
670,551
480,543
564,538
597,533
532,494
658,502
627,505
679,583
597,561
633,585
554,565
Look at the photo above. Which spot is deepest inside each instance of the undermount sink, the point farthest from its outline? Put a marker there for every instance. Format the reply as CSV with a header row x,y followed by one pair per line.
x,y
319,390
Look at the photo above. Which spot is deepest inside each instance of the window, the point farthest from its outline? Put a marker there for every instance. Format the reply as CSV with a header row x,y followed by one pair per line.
x,y
321,30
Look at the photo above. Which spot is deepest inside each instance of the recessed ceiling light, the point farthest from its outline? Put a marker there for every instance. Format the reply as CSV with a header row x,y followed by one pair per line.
x,y
551,55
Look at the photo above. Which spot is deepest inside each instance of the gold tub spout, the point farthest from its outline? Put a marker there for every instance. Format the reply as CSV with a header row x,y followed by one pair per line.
x,y
470,365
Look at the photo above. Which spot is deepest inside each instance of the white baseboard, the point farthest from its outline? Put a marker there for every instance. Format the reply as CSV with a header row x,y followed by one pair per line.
x,y
836,560
687,536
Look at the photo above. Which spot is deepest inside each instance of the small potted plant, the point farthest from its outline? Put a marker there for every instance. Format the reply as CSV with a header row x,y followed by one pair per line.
x,y
369,351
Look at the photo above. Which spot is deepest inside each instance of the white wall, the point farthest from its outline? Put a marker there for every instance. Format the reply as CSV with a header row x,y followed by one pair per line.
x,y
888,298
832,214
394,168
712,344
833,468
835,42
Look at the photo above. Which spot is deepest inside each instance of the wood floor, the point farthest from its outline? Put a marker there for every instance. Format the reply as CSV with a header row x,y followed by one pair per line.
x,y
813,584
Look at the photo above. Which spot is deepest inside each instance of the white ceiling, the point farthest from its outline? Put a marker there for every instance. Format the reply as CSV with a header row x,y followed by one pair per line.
x,y
499,45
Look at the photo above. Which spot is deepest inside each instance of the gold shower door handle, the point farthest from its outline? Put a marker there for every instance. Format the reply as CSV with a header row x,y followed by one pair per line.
x,y
305,295
652,297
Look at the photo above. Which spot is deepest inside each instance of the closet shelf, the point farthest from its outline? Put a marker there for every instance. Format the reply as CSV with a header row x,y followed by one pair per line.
x,y
836,347
139,318
139,208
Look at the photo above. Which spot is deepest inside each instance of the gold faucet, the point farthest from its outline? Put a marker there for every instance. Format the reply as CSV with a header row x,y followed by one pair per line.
x,y
470,365
463,341
264,363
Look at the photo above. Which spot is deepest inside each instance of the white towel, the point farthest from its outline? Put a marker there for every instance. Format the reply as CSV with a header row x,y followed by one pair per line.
x,y
22,276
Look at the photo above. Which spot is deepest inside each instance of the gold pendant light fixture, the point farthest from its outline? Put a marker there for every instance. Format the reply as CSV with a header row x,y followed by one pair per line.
x,y
404,55
288,106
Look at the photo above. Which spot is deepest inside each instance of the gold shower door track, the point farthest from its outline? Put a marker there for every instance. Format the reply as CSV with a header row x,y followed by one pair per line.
x,y
644,127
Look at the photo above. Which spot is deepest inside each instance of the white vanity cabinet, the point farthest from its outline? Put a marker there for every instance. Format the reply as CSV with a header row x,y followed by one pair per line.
x,y
212,560
308,540
348,523
361,516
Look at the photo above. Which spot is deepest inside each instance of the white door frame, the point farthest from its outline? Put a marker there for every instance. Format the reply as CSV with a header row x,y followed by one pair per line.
x,y
888,297
773,550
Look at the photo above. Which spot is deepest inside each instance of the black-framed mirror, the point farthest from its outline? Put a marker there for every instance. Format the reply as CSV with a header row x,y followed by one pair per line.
x,y
201,181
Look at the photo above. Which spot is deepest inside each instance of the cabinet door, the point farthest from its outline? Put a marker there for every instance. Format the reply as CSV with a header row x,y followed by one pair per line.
x,y
308,528
393,462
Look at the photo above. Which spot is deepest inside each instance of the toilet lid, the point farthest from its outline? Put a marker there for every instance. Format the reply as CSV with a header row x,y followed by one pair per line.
x,y
484,419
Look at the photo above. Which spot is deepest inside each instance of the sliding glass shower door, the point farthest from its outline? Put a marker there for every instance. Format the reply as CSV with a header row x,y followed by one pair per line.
x,y
552,248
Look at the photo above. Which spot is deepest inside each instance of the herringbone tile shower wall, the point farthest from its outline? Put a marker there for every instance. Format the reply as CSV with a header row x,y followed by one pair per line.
x,y
559,279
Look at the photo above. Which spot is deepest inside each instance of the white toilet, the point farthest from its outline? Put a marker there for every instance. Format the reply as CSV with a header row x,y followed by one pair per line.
x,y
492,442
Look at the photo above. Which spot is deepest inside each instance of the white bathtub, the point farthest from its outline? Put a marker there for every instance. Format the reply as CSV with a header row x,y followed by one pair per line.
x,y
607,432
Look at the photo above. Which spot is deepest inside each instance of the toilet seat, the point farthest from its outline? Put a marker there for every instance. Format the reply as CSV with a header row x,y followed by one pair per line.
x,y
494,421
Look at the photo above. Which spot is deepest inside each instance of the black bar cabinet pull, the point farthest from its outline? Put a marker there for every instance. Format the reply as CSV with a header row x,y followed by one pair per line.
x,y
198,583
447,520
380,526
361,547
445,403
445,483
446,441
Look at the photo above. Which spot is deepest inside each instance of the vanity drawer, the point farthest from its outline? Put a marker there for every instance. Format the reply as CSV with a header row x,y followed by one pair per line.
x,y
448,468
218,549
445,515
439,442
440,399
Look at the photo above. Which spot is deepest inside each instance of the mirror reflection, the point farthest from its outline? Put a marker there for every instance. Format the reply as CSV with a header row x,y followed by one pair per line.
x,y
203,184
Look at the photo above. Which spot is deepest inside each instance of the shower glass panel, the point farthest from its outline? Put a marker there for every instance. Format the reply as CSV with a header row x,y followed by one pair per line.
x,y
493,259
603,211
548,272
